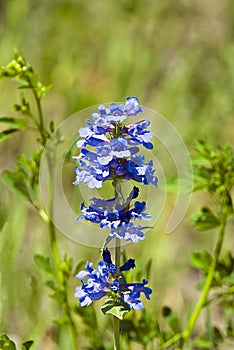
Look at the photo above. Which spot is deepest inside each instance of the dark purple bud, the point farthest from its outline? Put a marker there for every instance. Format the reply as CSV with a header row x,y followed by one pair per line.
x,y
148,145
106,255
130,264
134,193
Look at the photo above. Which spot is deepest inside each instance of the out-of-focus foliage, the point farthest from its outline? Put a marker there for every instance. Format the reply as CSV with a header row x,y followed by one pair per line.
x,y
175,55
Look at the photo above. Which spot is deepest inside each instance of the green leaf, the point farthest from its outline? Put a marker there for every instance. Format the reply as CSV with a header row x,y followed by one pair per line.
x,y
59,296
201,260
18,123
6,343
218,336
72,150
79,266
110,307
51,284
27,345
203,343
43,262
148,268
16,182
229,280
4,135
171,319
205,219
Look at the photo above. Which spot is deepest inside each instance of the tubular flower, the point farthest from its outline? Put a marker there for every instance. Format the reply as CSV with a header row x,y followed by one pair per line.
x,y
108,147
105,281
117,217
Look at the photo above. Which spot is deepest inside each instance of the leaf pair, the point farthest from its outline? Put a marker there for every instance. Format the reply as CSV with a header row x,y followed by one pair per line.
x,y
15,124
7,344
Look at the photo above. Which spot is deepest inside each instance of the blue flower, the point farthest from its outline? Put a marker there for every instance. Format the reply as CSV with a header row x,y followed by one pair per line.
x,y
104,281
141,172
104,154
91,175
96,287
117,113
139,134
128,232
132,106
108,148
117,217
120,148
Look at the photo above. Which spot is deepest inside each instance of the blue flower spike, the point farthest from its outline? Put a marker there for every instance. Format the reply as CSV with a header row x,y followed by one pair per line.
x,y
109,150
104,282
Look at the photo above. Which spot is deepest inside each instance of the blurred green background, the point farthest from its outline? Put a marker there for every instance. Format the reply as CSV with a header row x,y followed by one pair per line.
x,y
177,57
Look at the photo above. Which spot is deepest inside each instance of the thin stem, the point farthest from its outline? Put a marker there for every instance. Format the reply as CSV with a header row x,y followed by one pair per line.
x,y
117,253
171,341
116,333
72,324
52,230
40,117
116,321
203,297
201,302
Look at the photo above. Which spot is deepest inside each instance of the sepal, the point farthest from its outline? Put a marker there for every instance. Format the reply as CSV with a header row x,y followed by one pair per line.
x,y
113,308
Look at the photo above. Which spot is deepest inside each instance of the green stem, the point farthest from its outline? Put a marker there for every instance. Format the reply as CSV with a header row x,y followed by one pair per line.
x,y
203,297
52,231
71,322
116,321
117,253
40,118
116,333
56,256
202,300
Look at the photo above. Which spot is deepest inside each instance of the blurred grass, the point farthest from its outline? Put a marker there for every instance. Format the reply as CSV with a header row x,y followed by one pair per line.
x,y
176,56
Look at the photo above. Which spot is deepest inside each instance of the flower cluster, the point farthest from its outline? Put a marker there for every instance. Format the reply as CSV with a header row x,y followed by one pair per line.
x,y
117,217
108,148
109,151
105,281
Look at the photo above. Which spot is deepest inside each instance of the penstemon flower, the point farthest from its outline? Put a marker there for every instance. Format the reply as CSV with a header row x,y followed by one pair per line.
x,y
105,282
108,147
109,150
117,217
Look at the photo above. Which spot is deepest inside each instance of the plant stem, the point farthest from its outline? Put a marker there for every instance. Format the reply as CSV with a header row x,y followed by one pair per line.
x,y
203,297
117,253
116,321
55,251
116,333
71,322
202,300
52,231
40,118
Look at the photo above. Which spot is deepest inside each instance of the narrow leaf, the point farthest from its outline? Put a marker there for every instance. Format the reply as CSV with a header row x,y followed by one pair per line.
x,y
18,123
4,135
201,260
171,319
16,183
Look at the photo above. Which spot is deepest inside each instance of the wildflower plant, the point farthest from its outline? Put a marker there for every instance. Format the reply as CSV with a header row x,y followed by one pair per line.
x,y
110,151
